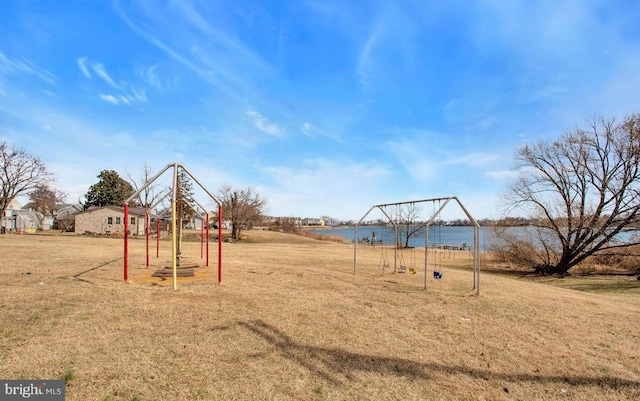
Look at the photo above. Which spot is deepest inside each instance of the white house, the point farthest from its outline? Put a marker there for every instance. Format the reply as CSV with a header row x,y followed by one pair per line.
x,y
8,220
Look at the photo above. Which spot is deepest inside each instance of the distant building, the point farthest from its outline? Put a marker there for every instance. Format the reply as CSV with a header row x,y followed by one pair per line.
x,y
196,222
27,217
310,221
9,219
65,214
110,219
282,221
32,218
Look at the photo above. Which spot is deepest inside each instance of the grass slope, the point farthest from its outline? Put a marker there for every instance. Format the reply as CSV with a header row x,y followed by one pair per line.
x,y
291,321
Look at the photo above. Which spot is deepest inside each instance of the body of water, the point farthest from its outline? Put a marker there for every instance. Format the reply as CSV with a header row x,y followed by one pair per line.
x,y
438,235
450,235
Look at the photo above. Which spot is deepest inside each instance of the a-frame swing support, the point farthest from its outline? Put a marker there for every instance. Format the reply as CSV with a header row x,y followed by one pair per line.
x,y
443,203
193,205
173,220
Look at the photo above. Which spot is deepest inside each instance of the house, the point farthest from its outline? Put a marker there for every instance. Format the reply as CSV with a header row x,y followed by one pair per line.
x,y
195,222
310,221
65,214
27,217
9,219
110,219
18,219
29,220
33,218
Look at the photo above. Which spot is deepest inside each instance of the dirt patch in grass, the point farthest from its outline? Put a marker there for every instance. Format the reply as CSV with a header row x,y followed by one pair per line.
x,y
291,320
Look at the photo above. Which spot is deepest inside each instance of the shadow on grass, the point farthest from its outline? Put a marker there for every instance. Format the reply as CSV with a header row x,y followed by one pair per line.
x,y
336,365
610,286
77,275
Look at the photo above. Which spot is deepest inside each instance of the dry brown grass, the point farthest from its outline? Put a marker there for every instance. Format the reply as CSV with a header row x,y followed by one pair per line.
x,y
291,321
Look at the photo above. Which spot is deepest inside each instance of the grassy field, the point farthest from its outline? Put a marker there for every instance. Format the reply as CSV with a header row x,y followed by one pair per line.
x,y
290,321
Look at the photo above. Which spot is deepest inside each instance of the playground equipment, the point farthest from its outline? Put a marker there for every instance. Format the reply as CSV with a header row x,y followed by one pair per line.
x,y
175,241
411,224
204,238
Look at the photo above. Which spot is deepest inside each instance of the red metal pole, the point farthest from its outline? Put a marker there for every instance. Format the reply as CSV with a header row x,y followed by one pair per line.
x,y
126,242
157,237
207,239
201,239
146,234
219,243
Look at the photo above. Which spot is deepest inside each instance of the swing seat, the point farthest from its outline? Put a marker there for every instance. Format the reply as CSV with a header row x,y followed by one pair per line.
x,y
437,275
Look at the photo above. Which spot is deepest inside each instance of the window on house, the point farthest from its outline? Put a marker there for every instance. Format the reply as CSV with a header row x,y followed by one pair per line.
x,y
109,220
117,220
133,221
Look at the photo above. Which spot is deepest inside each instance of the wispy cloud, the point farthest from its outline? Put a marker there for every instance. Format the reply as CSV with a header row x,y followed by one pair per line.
x,y
151,75
109,98
304,186
216,53
365,68
473,159
8,65
126,94
328,106
101,71
82,64
262,123
313,131
502,174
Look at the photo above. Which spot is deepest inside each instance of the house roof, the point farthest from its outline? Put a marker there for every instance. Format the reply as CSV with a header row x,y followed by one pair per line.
x,y
57,207
28,214
136,211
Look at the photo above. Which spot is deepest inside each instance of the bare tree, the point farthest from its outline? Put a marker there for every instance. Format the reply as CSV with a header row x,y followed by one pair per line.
x,y
581,191
407,220
20,172
45,200
65,223
244,208
150,194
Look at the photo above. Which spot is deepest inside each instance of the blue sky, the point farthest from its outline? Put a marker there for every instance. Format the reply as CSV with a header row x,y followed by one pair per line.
x,y
323,107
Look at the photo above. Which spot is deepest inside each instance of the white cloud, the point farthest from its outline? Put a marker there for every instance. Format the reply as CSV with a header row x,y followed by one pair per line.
x,y
109,98
8,65
139,95
306,129
422,166
365,68
127,95
473,159
215,52
99,69
82,64
502,174
313,131
151,75
262,123
325,187
548,91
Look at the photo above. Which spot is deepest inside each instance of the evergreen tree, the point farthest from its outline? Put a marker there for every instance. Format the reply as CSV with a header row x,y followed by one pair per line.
x,y
110,190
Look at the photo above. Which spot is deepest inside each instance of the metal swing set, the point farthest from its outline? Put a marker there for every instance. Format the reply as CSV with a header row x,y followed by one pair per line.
x,y
398,258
